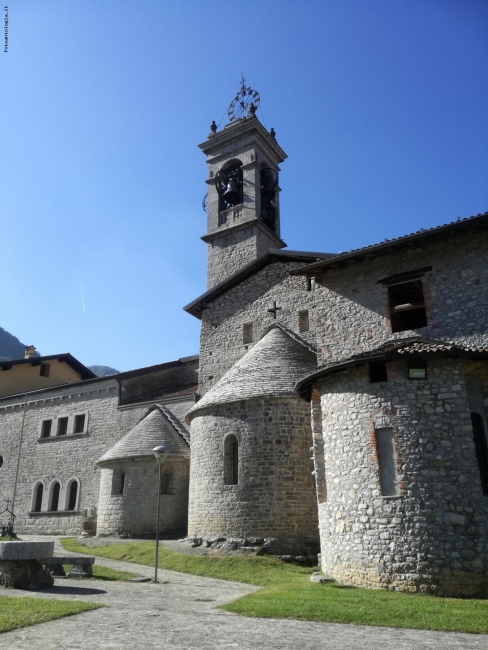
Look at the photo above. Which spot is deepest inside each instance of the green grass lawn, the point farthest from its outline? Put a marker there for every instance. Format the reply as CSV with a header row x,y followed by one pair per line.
x,y
288,593
18,612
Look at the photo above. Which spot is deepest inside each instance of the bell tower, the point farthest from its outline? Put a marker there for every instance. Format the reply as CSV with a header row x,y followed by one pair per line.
x,y
243,215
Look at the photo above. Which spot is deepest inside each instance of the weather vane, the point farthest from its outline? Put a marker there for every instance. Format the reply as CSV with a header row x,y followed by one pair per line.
x,y
245,102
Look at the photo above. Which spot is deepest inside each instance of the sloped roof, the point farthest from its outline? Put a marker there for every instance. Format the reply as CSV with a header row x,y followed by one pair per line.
x,y
270,369
167,380
395,349
182,430
422,236
197,306
65,357
154,430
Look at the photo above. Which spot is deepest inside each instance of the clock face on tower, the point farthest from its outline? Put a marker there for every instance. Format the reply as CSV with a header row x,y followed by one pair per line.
x,y
245,103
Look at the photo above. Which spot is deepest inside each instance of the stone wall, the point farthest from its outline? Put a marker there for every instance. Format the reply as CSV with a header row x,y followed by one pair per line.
x,y
133,513
63,458
231,251
348,309
221,341
352,308
275,496
433,536
56,458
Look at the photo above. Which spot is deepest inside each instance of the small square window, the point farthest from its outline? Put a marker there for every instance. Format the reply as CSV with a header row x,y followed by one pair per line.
x,y
247,333
407,306
62,426
417,370
377,371
79,424
44,370
46,428
303,321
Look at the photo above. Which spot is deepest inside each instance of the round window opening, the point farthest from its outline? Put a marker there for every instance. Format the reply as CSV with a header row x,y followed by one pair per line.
x,y
1,461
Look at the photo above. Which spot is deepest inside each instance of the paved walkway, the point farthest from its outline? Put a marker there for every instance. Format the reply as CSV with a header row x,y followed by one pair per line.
x,y
180,614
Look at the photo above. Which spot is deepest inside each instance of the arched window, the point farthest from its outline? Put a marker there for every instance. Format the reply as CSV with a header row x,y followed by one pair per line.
x,y
231,460
37,500
481,448
72,495
54,502
229,184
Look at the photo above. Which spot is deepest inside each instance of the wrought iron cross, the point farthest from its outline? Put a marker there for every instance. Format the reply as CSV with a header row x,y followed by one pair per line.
x,y
274,309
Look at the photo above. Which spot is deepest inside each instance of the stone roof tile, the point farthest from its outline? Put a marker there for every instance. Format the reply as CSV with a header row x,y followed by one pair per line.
x,y
154,430
270,369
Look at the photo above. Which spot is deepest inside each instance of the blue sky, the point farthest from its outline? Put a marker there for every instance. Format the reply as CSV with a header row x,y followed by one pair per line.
x,y
381,107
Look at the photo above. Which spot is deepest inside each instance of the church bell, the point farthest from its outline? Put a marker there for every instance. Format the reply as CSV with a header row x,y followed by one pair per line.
x,y
232,194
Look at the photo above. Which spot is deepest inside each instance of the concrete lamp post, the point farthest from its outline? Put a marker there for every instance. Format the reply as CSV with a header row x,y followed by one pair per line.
x,y
160,452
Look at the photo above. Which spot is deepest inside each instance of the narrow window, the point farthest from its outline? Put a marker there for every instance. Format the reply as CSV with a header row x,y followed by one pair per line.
x,y
118,483
46,428
55,497
79,423
231,461
167,483
481,448
38,493
377,371
247,333
62,426
385,449
407,306
303,324
235,463
309,284
1,461
72,495
44,370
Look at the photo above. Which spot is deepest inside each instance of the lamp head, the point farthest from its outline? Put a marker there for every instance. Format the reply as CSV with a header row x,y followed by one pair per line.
x,y
160,452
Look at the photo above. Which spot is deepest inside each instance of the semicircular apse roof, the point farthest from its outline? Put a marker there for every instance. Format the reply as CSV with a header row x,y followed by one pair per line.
x,y
153,430
270,369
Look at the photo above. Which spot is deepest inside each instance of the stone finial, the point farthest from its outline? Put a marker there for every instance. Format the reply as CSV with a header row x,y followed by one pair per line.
x,y
272,133
213,129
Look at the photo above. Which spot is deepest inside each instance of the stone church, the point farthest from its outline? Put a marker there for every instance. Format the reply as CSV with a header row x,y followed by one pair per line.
x,y
338,403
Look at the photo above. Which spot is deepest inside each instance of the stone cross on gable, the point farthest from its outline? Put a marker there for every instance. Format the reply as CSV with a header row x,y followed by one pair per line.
x,y
274,309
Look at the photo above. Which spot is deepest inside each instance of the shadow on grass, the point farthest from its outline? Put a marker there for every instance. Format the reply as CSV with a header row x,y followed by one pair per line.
x,y
72,591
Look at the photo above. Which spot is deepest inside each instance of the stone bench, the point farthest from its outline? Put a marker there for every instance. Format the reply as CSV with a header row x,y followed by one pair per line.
x,y
82,566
